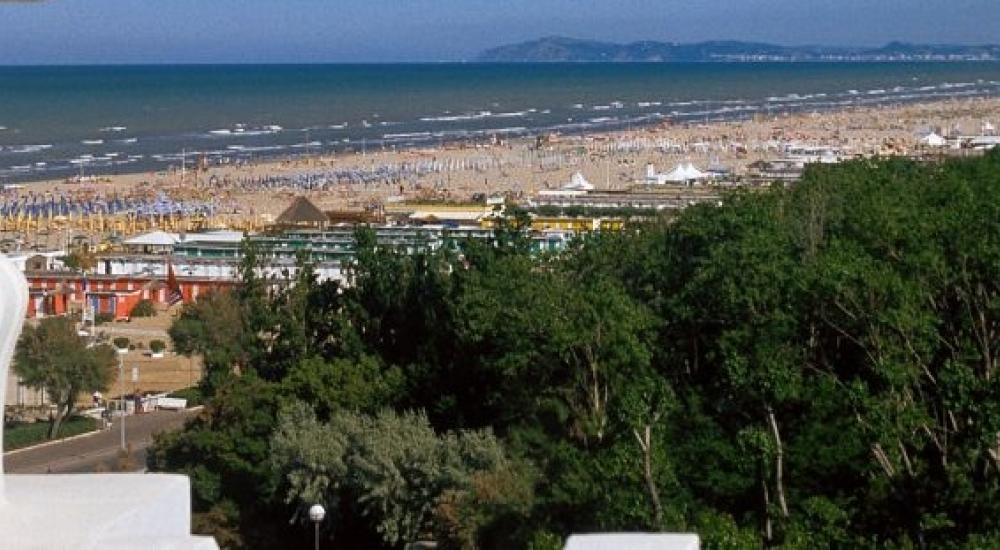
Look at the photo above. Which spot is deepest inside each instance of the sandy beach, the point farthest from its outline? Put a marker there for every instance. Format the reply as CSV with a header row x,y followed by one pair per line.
x,y
520,167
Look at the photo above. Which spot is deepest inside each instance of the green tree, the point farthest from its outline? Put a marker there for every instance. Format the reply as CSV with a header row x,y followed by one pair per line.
x,y
225,453
52,357
214,327
80,260
391,469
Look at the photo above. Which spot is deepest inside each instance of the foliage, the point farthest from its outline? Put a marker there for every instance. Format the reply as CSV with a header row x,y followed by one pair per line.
x,y
391,467
212,327
144,308
225,453
157,346
103,318
20,435
801,367
193,396
121,342
52,357
80,260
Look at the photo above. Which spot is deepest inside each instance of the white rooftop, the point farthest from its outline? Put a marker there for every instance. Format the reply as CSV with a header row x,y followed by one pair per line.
x,y
163,238
154,238
934,140
220,236
633,541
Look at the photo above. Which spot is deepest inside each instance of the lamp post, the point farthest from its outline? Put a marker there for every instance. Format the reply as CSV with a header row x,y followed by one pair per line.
x,y
316,515
121,397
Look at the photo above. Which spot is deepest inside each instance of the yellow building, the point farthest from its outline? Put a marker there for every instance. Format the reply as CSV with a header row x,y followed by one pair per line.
x,y
578,224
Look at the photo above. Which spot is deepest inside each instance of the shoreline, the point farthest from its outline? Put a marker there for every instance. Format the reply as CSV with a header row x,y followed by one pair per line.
x,y
119,142
520,167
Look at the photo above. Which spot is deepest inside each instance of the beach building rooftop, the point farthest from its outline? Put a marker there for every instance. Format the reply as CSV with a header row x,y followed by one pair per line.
x,y
684,172
302,212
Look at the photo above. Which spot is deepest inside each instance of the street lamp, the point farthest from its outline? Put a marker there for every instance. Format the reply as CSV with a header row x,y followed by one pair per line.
x,y
316,515
121,383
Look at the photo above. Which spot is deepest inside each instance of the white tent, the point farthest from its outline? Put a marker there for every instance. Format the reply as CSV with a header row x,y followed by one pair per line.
x,y
578,183
684,172
933,140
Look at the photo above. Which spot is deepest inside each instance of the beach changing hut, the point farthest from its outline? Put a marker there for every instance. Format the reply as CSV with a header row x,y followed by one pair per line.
x,y
303,213
684,172
933,140
578,183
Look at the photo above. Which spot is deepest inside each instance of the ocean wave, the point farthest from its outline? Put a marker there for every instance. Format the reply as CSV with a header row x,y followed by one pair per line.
x,y
456,118
27,148
515,114
512,130
411,135
242,130
255,149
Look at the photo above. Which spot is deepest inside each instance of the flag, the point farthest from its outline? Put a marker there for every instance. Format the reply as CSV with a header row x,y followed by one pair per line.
x,y
175,295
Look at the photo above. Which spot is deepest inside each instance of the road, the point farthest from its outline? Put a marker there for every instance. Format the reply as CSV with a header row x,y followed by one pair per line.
x,y
98,452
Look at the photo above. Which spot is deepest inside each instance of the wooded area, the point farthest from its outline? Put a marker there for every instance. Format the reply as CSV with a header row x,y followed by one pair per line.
x,y
801,368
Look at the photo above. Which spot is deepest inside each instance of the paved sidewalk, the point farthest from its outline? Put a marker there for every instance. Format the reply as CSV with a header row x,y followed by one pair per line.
x,y
89,453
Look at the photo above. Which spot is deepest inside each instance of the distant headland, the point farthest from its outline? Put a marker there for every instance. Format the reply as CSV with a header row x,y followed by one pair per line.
x,y
562,49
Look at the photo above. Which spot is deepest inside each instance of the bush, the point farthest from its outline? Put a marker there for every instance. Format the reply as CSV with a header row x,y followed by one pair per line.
x,y
193,396
22,434
145,308
121,342
102,318
157,346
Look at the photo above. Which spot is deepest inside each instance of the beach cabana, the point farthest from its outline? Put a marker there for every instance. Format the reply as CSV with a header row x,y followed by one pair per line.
x,y
933,140
302,212
684,173
578,183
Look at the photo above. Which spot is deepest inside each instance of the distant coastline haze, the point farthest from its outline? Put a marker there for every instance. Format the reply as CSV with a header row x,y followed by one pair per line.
x,y
320,31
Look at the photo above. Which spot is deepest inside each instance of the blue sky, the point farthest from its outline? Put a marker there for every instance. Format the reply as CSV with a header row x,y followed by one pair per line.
x,y
234,31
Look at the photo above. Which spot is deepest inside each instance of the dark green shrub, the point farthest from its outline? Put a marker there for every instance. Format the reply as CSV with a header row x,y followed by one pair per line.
x,y
145,308
102,318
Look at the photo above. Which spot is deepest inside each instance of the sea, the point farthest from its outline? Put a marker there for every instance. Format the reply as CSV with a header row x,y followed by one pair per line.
x,y
59,122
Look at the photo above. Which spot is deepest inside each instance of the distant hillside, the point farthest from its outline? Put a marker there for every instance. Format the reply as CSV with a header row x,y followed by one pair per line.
x,y
553,49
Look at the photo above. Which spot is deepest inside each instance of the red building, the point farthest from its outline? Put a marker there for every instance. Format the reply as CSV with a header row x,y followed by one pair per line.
x,y
56,293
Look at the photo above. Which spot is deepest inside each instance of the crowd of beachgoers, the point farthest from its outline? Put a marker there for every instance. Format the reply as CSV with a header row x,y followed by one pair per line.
x,y
518,167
